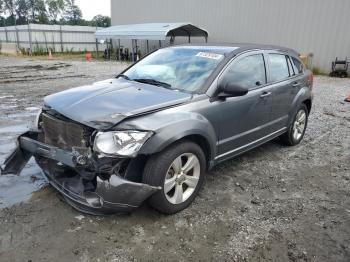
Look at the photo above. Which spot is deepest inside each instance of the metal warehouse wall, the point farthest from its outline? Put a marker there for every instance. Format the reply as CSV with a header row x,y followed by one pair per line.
x,y
68,38
320,27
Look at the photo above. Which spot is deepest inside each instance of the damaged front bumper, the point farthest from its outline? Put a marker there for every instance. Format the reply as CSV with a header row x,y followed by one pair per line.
x,y
97,195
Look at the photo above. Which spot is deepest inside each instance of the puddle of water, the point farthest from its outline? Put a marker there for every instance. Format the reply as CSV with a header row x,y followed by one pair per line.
x,y
19,115
15,100
9,96
6,147
8,136
14,129
8,106
16,189
32,108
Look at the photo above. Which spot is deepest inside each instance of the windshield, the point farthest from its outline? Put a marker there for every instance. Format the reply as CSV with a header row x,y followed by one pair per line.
x,y
184,69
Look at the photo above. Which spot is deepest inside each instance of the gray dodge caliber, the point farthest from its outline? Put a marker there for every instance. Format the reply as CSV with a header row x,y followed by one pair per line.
x,y
152,132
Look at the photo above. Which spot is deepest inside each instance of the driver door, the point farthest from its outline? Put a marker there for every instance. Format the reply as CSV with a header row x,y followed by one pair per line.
x,y
244,119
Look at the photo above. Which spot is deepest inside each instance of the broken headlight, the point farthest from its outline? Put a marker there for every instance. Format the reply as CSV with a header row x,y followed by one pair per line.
x,y
121,143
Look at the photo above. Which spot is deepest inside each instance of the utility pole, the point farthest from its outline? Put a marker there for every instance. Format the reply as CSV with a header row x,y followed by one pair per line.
x,y
61,38
17,38
30,39
30,34
6,35
97,56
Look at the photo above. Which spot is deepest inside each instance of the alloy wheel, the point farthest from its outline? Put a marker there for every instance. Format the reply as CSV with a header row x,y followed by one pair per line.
x,y
299,125
182,178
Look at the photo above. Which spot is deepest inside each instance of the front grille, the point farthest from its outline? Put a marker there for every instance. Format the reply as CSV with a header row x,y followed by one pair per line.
x,y
64,134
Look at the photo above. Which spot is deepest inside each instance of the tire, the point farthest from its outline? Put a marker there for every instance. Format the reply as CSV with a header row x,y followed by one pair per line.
x,y
163,167
343,74
290,138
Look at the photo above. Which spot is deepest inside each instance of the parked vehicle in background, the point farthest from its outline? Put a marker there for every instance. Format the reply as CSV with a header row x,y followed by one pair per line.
x,y
154,130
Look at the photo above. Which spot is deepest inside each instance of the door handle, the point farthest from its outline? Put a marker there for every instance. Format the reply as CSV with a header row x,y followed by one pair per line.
x,y
295,84
265,94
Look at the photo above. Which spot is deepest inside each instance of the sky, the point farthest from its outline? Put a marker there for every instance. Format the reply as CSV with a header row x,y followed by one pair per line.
x,y
90,8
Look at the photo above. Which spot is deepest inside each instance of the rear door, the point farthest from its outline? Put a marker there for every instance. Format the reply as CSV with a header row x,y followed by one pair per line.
x,y
245,119
284,81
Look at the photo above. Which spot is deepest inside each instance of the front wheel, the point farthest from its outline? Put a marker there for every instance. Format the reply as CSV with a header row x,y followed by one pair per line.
x,y
297,128
179,170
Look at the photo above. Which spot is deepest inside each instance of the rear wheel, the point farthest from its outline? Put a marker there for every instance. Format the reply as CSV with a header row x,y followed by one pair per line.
x,y
297,128
179,171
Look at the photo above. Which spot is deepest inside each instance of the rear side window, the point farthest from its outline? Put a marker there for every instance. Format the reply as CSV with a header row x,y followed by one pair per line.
x,y
248,72
297,65
278,67
292,71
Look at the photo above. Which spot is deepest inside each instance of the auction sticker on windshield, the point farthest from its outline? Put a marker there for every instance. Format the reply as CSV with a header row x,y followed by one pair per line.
x,y
209,55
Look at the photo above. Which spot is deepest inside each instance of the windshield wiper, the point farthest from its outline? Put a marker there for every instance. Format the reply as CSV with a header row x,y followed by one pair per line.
x,y
123,76
152,82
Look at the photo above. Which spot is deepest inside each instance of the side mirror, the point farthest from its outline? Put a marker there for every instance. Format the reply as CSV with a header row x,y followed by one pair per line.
x,y
232,90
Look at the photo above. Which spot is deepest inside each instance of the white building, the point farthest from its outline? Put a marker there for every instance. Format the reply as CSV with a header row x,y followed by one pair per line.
x,y
319,27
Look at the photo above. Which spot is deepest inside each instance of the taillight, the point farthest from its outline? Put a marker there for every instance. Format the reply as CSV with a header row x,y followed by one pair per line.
x,y
310,80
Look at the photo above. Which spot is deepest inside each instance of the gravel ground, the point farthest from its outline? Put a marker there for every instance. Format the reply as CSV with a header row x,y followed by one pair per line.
x,y
274,203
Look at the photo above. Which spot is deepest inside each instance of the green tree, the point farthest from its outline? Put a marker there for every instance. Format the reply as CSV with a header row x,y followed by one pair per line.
x,y
19,12
55,9
37,12
10,9
1,7
72,14
2,10
22,12
101,21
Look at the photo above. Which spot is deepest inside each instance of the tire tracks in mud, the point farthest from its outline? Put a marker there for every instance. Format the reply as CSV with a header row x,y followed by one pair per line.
x,y
29,78
29,73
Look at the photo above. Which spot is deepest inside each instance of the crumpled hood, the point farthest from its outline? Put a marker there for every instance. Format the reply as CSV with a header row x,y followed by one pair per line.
x,y
106,103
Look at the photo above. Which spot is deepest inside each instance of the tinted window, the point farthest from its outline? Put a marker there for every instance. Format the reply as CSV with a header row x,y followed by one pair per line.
x,y
297,65
278,67
247,72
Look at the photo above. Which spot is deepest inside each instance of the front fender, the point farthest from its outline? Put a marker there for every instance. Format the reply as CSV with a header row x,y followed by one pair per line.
x,y
171,127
